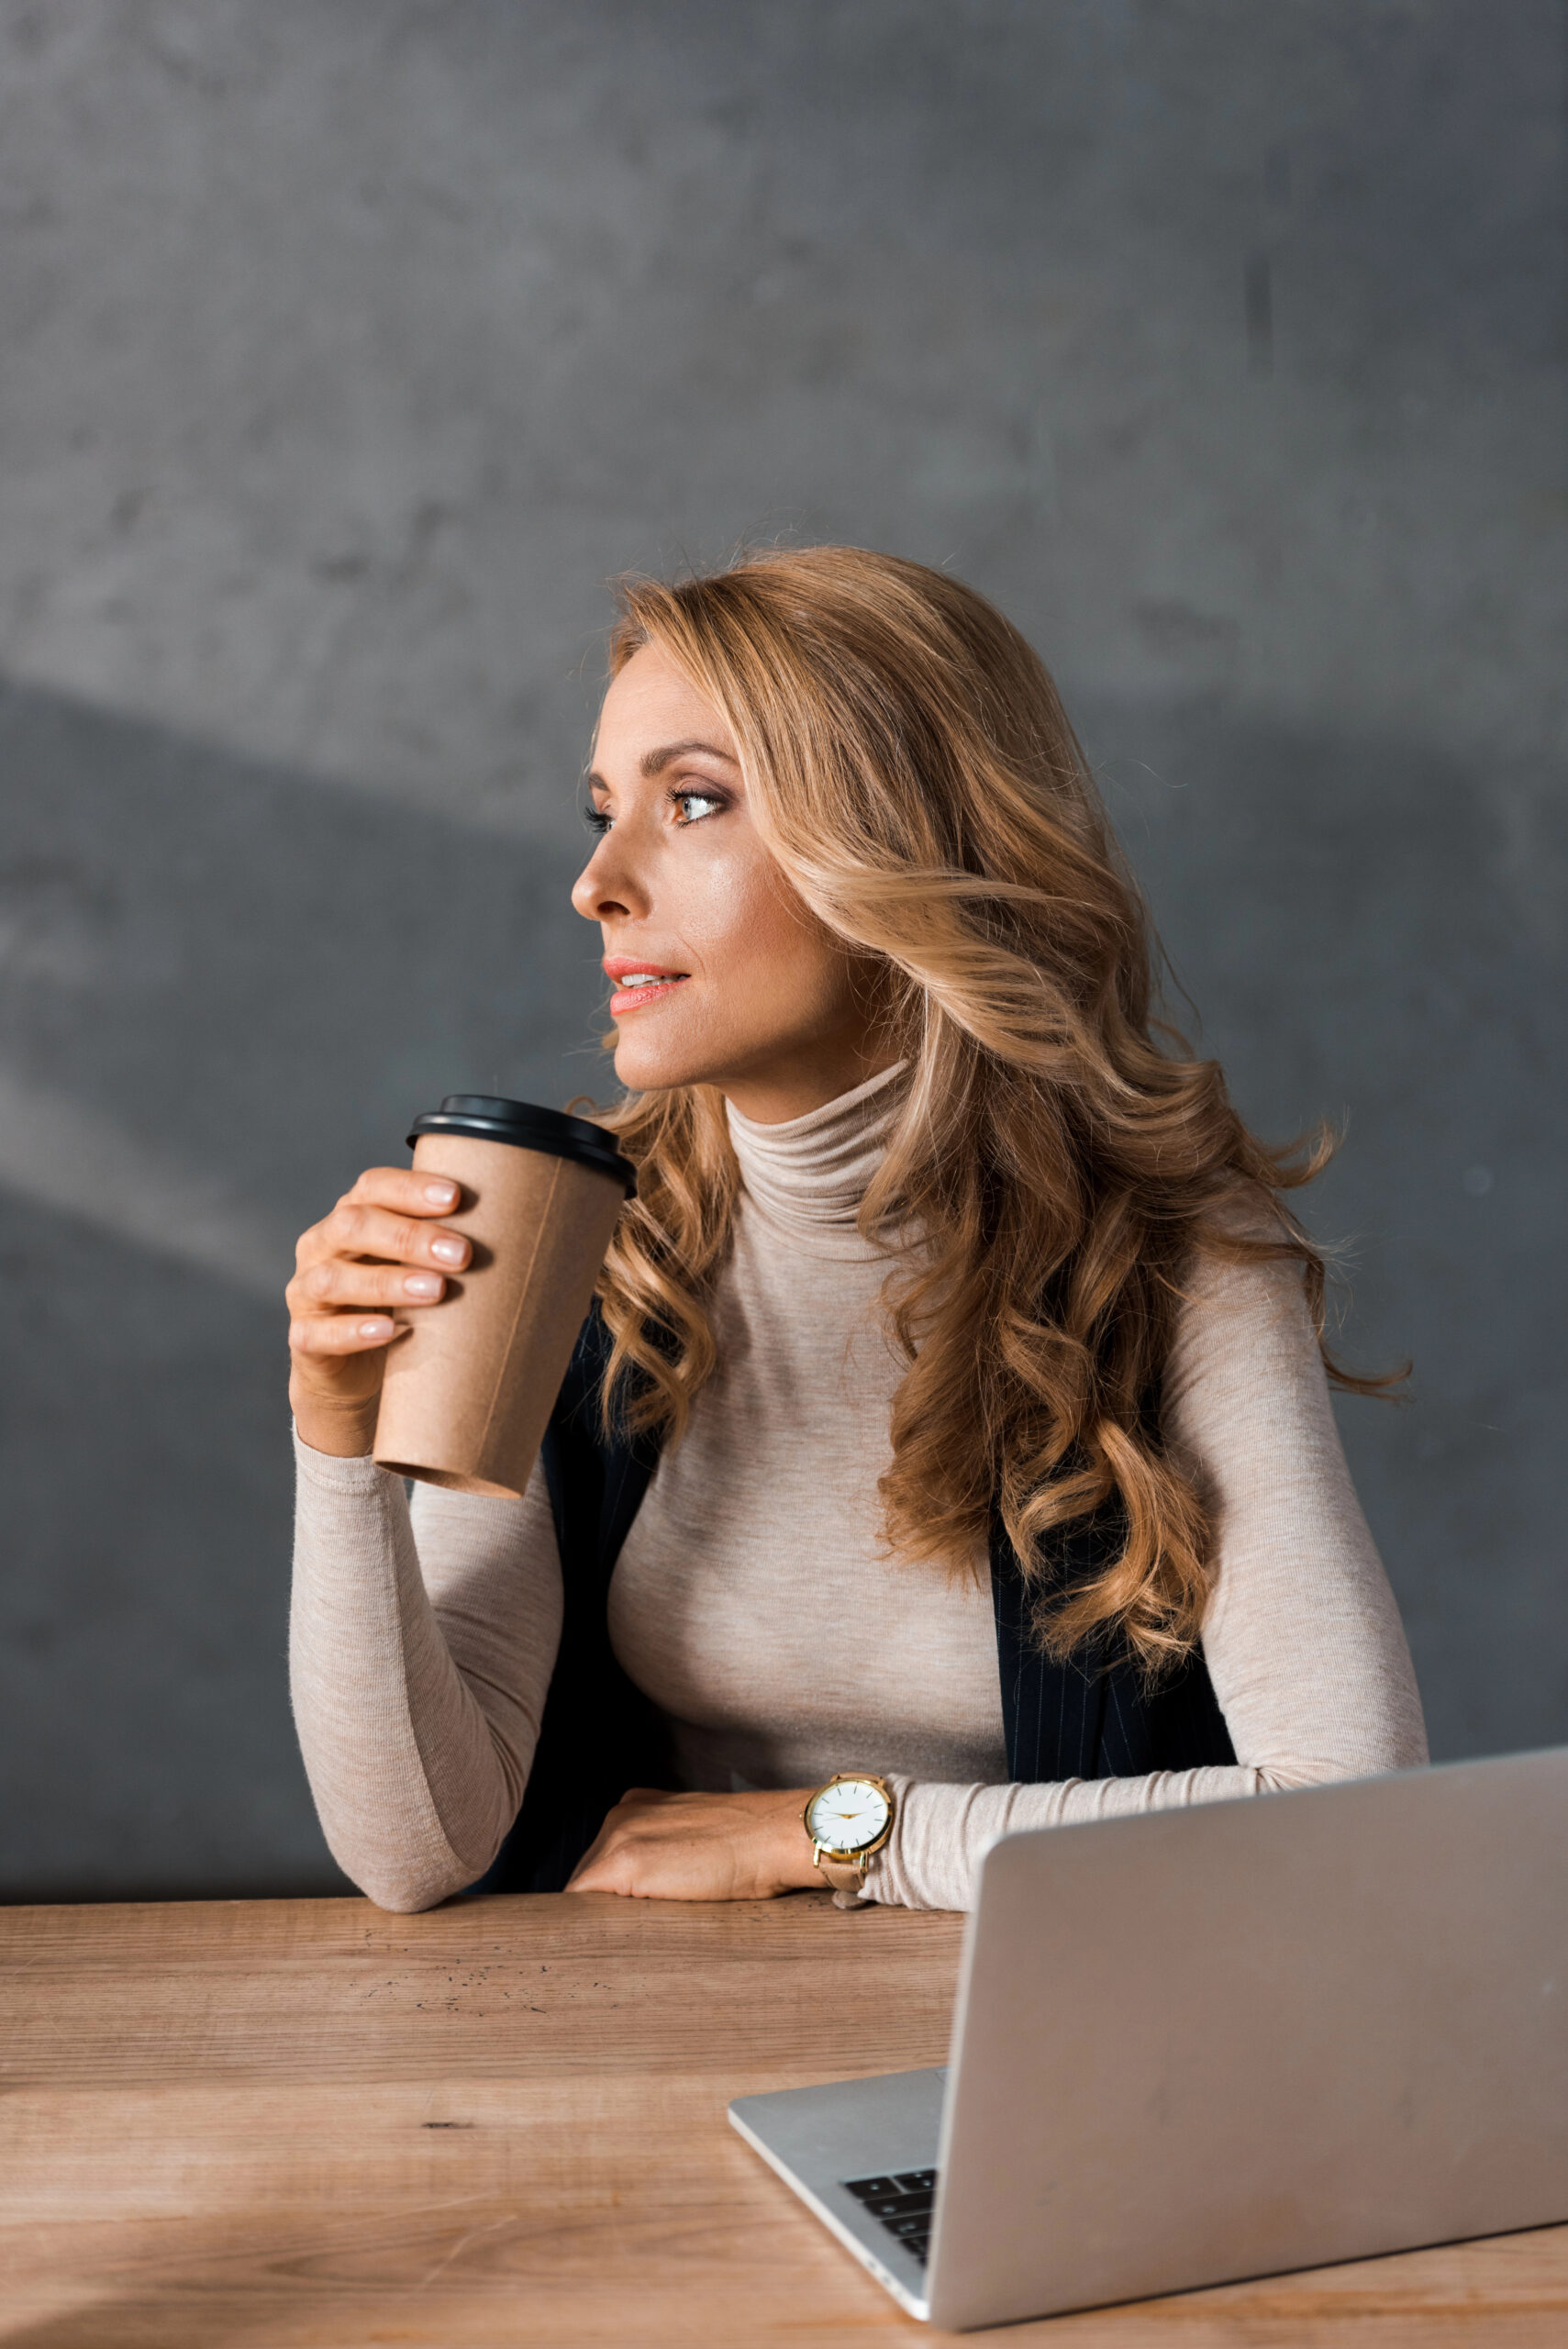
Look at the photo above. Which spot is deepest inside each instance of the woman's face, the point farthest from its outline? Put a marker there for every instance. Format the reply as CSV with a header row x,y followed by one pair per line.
x,y
721,975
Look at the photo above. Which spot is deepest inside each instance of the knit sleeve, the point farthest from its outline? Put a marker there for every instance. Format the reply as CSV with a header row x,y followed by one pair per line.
x,y
1302,1637
421,1644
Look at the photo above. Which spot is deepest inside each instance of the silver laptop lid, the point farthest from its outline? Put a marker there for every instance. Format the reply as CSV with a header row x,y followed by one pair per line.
x,y
1259,2035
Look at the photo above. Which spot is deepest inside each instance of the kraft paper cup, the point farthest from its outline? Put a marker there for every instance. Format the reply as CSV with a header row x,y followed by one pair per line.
x,y
467,1393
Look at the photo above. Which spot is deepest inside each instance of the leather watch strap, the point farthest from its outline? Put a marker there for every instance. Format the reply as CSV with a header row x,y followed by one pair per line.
x,y
847,1880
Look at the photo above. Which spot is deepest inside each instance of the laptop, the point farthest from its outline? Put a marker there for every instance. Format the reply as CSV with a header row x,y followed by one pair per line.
x,y
1204,2044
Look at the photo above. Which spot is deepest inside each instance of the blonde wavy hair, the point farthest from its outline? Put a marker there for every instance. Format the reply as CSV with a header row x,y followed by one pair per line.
x,y
1062,1155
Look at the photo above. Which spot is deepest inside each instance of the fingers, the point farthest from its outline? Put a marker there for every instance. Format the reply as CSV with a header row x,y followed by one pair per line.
x,y
343,1333
647,1848
612,1867
598,1862
407,1190
340,1284
357,1228
380,1254
614,1822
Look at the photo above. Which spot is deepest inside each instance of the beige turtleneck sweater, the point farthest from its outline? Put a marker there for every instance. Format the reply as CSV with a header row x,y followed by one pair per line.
x,y
753,1602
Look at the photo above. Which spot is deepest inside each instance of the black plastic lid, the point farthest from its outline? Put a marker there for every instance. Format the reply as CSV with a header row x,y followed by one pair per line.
x,y
529,1127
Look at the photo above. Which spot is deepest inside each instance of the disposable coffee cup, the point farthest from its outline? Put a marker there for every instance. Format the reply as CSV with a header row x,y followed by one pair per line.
x,y
468,1392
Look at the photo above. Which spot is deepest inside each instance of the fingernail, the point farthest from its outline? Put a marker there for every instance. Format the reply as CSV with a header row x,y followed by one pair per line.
x,y
422,1284
449,1252
378,1328
440,1195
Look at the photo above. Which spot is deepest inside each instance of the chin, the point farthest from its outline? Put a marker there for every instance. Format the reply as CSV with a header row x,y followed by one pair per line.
x,y
641,1067
692,1050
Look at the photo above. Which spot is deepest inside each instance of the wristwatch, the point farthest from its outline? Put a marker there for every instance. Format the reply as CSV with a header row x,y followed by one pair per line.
x,y
849,1820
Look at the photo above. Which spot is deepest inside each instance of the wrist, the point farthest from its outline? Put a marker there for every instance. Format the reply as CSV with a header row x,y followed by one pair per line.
x,y
798,1860
341,1427
789,1855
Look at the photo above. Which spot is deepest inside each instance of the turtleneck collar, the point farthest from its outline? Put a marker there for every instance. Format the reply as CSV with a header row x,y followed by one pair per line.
x,y
808,1177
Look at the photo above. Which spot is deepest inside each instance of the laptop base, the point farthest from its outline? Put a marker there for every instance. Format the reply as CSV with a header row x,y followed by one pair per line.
x,y
819,2139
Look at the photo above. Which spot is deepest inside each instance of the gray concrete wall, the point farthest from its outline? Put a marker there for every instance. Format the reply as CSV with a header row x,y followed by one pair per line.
x,y
349,344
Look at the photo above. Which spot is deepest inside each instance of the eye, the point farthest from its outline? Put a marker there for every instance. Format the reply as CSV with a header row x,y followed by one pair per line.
x,y
597,819
692,806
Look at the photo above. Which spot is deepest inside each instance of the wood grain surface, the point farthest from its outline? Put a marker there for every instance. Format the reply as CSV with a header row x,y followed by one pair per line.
x,y
292,2122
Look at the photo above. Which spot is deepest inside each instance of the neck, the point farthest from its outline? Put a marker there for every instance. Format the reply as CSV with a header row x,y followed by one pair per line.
x,y
808,1080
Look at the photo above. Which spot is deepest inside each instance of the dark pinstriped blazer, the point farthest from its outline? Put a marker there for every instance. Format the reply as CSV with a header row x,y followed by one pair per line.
x,y
1091,1718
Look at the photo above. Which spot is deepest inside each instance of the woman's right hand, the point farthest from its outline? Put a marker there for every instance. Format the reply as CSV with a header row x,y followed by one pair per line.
x,y
381,1250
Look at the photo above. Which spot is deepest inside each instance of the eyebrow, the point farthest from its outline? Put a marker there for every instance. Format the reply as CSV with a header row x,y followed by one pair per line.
x,y
654,763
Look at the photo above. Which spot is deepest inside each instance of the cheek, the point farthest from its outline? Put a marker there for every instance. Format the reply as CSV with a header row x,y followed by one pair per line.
x,y
719,906
760,943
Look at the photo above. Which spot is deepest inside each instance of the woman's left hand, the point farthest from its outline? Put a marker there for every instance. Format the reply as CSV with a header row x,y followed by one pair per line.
x,y
701,1847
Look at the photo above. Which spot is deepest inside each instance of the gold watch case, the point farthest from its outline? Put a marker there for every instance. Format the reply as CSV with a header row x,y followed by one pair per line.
x,y
862,1856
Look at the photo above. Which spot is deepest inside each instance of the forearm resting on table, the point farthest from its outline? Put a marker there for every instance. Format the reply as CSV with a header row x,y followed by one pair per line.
x,y
944,1832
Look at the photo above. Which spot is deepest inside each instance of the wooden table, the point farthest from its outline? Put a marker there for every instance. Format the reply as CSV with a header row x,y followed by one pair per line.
x,y
260,2122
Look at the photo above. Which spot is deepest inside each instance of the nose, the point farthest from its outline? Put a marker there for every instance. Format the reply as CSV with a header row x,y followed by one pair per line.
x,y
607,888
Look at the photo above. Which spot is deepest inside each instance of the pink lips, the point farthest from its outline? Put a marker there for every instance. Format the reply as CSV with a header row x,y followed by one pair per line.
x,y
626,999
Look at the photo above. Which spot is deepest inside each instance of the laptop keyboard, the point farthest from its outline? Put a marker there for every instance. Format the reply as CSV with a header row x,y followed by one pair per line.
x,y
904,2202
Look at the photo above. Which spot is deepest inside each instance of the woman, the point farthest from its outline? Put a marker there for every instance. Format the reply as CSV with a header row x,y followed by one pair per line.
x,y
954,1411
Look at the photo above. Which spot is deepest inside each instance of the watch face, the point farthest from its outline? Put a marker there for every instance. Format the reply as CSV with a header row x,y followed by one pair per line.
x,y
847,1817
